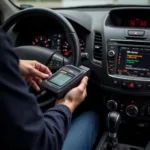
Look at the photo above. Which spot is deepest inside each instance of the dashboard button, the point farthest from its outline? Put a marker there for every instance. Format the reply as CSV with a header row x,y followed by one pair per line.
x,y
141,49
111,53
110,61
132,111
111,70
121,111
139,85
136,33
147,49
111,65
112,105
116,82
148,86
131,85
124,48
135,48
125,84
112,47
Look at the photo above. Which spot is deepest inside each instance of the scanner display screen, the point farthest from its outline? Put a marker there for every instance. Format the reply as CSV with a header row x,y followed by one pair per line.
x,y
61,78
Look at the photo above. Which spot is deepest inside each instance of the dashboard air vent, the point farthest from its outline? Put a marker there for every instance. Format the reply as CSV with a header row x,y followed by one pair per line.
x,y
98,47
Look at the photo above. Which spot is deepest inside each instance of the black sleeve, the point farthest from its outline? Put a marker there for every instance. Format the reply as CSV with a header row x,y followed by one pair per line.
x,y
22,124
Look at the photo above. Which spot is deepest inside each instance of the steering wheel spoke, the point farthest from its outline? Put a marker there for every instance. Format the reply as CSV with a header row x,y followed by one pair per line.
x,y
57,61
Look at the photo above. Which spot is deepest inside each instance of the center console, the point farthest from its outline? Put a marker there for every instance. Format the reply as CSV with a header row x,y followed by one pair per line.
x,y
126,74
128,64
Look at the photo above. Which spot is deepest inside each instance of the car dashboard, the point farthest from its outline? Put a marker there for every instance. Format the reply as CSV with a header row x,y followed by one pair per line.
x,y
114,43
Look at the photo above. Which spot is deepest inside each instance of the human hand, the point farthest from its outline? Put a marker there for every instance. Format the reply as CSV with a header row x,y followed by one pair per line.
x,y
33,72
76,96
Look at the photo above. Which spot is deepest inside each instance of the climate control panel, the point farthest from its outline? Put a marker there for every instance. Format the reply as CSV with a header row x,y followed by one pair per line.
x,y
129,108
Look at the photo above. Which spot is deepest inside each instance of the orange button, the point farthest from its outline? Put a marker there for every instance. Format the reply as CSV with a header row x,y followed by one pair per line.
x,y
62,71
132,85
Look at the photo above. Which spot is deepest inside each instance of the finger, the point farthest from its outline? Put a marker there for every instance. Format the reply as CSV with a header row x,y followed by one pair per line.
x,y
46,70
29,78
37,80
42,68
35,72
83,84
35,85
85,93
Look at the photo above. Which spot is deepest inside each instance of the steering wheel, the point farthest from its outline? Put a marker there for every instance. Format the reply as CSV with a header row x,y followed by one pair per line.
x,y
49,57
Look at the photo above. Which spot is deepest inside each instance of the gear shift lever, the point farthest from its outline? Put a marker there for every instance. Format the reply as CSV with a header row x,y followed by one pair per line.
x,y
114,120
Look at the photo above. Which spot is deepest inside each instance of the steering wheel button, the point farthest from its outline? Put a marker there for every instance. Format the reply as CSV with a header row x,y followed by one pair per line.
x,y
58,63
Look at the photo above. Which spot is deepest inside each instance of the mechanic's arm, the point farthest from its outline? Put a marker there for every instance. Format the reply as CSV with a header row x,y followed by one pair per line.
x,y
22,124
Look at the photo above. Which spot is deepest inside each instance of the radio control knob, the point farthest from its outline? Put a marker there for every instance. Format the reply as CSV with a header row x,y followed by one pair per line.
x,y
111,53
132,110
112,105
148,110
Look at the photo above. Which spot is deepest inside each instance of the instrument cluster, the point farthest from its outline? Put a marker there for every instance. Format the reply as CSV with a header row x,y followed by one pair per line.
x,y
56,41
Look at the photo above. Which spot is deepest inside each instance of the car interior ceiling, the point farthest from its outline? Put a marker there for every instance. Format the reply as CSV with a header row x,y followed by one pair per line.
x,y
115,45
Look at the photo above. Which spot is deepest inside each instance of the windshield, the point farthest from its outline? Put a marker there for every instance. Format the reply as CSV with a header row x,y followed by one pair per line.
x,y
75,3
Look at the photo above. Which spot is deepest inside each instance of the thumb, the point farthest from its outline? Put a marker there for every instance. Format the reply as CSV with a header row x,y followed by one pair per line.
x,y
83,83
35,72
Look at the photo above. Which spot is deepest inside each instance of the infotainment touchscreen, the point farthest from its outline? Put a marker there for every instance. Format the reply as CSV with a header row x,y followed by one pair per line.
x,y
133,61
